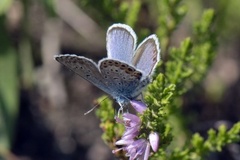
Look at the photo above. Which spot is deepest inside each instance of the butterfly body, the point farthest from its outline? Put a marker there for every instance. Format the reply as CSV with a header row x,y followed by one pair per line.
x,y
125,72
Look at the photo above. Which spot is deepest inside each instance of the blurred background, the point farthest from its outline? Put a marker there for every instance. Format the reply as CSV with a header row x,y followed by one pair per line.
x,y
42,103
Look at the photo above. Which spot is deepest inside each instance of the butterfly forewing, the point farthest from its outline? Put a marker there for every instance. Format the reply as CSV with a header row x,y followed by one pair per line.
x,y
147,55
122,78
85,68
121,43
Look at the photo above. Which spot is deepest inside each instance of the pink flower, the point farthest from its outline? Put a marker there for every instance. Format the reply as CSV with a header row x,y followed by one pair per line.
x,y
136,148
138,106
132,125
139,149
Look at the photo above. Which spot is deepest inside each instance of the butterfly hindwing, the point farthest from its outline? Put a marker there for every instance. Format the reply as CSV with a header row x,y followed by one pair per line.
x,y
122,78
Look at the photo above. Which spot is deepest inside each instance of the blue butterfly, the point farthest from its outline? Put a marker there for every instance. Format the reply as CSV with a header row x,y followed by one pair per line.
x,y
126,70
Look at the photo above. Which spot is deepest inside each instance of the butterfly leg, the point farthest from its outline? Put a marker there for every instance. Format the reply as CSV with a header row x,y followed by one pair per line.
x,y
120,110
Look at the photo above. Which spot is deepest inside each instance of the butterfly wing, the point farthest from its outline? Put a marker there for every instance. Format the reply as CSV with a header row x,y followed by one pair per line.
x,y
142,84
121,43
147,55
122,78
85,68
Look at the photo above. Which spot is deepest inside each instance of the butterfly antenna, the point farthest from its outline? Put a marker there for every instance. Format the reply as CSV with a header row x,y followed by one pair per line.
x,y
95,106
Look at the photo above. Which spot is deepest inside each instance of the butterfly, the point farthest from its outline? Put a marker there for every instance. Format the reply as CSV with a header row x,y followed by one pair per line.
x,y
126,71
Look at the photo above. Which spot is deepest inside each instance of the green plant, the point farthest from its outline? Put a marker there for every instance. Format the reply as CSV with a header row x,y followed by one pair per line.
x,y
182,68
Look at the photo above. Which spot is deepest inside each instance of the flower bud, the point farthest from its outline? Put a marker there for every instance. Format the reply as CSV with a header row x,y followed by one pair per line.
x,y
154,141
